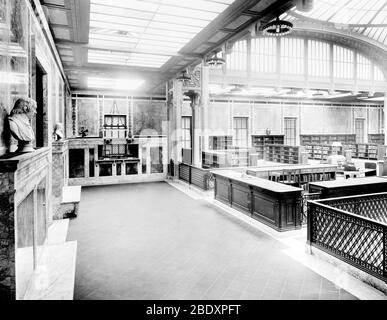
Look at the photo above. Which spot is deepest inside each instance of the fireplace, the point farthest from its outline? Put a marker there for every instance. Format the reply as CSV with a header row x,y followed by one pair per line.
x,y
24,207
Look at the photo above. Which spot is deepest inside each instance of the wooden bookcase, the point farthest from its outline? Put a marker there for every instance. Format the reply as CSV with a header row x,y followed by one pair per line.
x,y
282,154
259,142
236,157
220,142
307,139
358,150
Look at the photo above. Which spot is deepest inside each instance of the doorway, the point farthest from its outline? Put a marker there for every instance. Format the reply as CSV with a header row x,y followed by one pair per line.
x,y
359,130
290,130
41,112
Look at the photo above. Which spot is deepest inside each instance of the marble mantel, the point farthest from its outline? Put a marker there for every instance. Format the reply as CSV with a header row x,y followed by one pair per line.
x,y
23,224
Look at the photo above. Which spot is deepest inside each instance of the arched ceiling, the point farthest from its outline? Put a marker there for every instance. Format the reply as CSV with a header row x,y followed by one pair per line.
x,y
149,39
364,17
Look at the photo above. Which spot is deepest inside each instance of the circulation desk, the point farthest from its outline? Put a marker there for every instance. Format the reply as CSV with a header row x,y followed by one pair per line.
x,y
275,204
349,187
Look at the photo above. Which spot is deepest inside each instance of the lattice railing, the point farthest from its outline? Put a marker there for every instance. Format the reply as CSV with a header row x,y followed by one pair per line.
x,y
305,198
372,206
357,240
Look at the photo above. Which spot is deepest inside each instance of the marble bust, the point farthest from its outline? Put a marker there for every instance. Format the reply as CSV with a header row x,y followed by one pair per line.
x,y
20,123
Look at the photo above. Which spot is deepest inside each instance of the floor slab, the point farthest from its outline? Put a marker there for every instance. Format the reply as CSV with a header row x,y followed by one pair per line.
x,y
151,241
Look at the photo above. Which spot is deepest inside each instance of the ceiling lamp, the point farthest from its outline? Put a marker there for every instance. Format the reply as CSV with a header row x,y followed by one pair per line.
x,y
215,61
184,76
277,28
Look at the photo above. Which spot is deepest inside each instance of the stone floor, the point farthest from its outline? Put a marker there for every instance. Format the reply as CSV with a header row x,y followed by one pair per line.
x,y
151,241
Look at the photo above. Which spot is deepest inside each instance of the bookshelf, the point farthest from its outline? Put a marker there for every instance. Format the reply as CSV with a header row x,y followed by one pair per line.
x,y
259,142
315,139
282,154
220,142
320,151
376,139
235,157
358,151
364,151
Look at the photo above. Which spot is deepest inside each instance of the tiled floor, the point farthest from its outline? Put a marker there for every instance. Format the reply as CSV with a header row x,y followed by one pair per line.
x,y
151,241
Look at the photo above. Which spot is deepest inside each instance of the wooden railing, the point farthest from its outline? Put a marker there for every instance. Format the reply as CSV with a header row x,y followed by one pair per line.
x,y
198,177
352,229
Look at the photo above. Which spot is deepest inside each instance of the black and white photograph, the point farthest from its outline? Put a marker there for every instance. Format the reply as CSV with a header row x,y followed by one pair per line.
x,y
194,156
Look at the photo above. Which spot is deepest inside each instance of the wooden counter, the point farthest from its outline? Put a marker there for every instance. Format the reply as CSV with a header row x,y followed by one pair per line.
x,y
349,187
275,204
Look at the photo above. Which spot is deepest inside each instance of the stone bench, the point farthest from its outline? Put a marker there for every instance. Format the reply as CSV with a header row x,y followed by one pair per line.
x,y
70,202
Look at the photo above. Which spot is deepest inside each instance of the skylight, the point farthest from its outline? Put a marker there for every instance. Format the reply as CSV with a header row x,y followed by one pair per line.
x,y
158,28
114,84
367,17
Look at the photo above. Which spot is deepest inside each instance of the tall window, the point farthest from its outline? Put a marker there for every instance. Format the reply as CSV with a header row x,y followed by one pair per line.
x,y
186,132
292,56
359,130
240,132
290,128
237,58
378,74
318,60
342,62
363,68
263,54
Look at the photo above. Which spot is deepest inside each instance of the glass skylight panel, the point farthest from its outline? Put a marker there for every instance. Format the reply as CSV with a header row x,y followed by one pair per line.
x,y
130,4
115,84
174,26
114,11
181,20
116,27
118,20
198,4
129,59
159,26
189,13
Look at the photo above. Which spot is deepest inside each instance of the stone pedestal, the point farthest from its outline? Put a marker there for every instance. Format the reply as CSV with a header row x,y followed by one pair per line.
x,y
59,174
23,218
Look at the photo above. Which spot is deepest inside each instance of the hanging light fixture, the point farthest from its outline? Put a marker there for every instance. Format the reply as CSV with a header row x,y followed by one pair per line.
x,y
184,76
215,61
277,28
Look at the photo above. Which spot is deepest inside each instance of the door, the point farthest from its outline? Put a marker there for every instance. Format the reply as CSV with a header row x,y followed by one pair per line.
x,y
290,130
359,130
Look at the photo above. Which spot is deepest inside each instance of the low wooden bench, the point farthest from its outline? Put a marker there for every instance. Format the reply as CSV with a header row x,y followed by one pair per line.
x,y
70,201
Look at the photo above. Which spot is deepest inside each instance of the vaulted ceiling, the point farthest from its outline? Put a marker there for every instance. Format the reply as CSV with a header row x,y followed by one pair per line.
x,y
152,40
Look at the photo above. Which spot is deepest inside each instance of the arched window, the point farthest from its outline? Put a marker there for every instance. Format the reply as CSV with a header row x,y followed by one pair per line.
x,y
378,74
364,68
318,58
237,57
263,55
292,56
343,62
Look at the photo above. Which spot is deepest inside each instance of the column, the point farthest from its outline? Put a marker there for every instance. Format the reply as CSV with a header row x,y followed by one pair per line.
x,y
196,128
204,106
385,119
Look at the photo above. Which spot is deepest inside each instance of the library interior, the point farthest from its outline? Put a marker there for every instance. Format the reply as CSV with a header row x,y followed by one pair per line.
x,y
207,149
